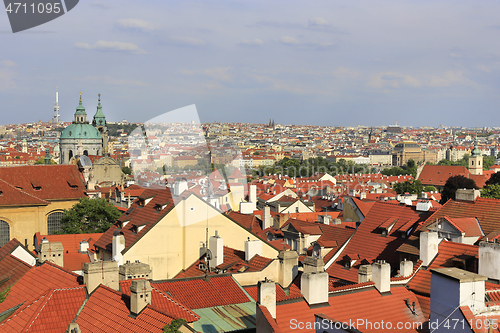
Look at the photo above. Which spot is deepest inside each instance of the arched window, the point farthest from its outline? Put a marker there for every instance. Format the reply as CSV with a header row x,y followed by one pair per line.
x,y
4,233
86,153
54,222
70,155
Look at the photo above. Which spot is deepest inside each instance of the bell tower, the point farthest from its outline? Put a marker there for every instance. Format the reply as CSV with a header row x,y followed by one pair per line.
x,y
476,160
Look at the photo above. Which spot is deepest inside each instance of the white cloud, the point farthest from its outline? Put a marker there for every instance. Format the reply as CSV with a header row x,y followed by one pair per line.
x,y
447,79
7,63
186,41
254,42
100,4
392,80
318,21
114,81
484,68
344,72
288,40
112,46
455,55
136,24
219,73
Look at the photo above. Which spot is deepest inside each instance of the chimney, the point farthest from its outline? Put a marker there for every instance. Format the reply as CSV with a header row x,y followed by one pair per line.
x,y
140,296
364,273
405,268
267,220
337,221
216,246
100,272
52,252
118,245
252,248
429,244
84,246
314,287
180,185
424,206
73,328
266,295
252,193
489,260
135,270
314,264
288,267
381,275
467,194
362,195
452,288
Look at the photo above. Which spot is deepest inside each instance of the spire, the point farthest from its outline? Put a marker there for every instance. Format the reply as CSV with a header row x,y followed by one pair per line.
x,y
476,151
99,118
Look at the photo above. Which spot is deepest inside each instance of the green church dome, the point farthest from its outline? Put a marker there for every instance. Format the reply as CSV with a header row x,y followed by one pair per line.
x,y
80,131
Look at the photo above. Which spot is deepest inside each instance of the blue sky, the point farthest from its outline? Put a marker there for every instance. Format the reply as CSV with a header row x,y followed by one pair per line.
x,y
336,63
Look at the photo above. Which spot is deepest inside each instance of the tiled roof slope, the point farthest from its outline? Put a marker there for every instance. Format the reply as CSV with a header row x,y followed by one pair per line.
x,y
369,244
292,293
164,302
12,196
234,261
11,270
367,304
36,282
9,247
51,312
45,182
439,174
200,293
108,311
487,211
138,215
448,254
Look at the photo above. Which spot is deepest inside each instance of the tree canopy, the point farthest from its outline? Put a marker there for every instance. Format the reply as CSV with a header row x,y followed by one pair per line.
x,y
494,179
491,191
412,187
453,184
89,216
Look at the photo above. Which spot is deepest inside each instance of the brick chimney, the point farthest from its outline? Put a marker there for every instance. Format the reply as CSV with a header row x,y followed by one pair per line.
x,y
381,275
100,272
140,296
288,267
216,246
266,295
429,244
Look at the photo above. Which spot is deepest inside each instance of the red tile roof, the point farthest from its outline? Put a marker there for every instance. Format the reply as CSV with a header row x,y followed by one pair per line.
x,y
42,182
51,312
11,270
293,292
38,281
234,261
439,174
448,251
487,212
366,304
368,242
108,311
164,302
200,293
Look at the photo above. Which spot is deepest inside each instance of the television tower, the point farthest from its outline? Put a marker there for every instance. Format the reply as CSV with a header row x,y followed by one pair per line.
x,y
56,119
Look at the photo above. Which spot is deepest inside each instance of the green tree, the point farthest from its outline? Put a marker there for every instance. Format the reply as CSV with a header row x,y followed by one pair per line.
x,y
429,188
491,191
3,294
412,187
488,161
454,183
173,327
494,179
89,216
41,160
126,170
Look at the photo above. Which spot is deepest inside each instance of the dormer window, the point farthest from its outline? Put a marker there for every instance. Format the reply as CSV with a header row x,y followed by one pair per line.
x,y
36,185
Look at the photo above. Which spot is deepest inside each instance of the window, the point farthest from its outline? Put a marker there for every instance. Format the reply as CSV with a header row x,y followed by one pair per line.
x,y
4,233
54,222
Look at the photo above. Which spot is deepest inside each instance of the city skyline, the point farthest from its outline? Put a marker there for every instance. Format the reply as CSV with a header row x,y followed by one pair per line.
x,y
335,64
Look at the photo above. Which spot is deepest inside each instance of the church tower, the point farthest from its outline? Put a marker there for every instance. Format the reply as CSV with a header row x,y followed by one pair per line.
x,y
99,122
476,160
56,119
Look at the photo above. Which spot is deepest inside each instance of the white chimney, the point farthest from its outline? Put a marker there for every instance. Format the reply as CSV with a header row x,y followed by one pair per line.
x,y
252,247
266,296
489,260
216,246
140,296
100,272
405,268
84,246
467,194
288,267
252,193
429,244
180,186
381,275
424,206
314,287
267,221
118,245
